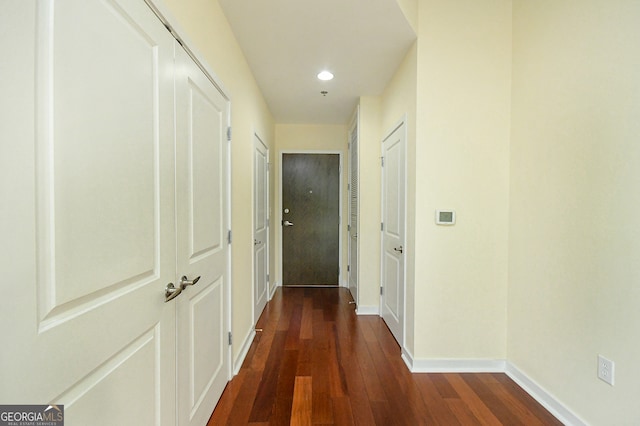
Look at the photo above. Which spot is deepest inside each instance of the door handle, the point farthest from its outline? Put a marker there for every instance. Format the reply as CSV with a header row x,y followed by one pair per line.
x,y
256,242
171,292
287,223
398,249
184,282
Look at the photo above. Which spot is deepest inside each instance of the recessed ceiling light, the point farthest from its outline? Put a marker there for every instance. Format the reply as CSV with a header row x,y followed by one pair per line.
x,y
325,75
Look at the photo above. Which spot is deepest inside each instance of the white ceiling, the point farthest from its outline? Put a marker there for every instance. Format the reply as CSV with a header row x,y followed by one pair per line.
x,y
288,42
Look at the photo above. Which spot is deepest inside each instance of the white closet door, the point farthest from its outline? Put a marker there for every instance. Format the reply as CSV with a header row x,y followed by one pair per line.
x,y
393,232
202,178
88,212
260,226
353,210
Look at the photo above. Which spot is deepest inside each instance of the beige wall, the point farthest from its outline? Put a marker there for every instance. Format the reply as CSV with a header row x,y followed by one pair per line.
x,y
399,103
312,138
575,207
462,163
207,31
522,116
369,183
410,11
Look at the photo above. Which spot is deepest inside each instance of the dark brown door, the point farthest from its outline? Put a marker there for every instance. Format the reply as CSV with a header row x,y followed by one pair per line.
x,y
310,219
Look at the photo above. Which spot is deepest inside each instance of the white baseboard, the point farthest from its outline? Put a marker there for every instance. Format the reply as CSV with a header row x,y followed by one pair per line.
x,y
367,310
456,365
407,357
246,344
273,289
537,392
547,400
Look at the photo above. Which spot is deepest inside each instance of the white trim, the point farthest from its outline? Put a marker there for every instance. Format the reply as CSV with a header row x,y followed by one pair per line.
x,y
456,365
537,392
273,289
368,310
407,357
546,399
246,344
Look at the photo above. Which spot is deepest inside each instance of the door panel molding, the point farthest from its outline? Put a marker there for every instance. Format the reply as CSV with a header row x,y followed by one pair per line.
x,y
67,206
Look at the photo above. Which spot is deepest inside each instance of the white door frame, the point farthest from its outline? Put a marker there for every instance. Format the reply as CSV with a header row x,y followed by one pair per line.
x,y
279,215
401,123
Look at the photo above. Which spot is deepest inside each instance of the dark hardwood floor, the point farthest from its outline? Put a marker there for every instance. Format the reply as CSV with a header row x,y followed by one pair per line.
x,y
317,363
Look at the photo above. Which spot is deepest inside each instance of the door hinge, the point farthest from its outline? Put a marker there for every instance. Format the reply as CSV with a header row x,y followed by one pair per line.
x,y
229,236
382,226
382,160
268,167
348,187
348,228
229,134
230,339
267,278
381,290
348,268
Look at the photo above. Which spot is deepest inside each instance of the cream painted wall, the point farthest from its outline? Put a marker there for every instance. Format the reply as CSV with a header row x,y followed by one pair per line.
x,y
462,163
310,137
410,11
574,267
207,31
399,103
369,199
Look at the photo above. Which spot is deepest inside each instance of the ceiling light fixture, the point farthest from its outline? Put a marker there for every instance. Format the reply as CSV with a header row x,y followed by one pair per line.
x,y
325,75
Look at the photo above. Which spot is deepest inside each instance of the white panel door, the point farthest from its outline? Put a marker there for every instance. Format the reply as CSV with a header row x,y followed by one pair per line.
x,y
260,226
87,216
353,211
393,231
202,170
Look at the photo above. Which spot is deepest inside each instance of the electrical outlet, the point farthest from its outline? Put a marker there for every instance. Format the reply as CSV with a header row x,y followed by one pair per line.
x,y
605,369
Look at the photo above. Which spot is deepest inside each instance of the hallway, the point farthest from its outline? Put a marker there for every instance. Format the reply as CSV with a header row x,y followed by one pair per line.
x,y
316,362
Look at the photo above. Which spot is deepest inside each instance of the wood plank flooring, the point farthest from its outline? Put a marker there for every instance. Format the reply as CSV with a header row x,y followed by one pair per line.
x,y
317,363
